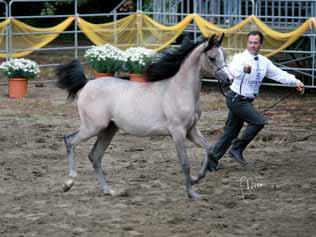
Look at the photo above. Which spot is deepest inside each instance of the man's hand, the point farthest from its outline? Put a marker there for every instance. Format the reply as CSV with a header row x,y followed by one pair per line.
x,y
247,68
300,86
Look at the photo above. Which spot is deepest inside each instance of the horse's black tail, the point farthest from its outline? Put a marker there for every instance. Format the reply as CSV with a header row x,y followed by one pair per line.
x,y
71,77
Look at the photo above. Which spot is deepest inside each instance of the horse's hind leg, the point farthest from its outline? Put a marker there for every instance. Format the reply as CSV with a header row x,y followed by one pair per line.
x,y
103,141
70,141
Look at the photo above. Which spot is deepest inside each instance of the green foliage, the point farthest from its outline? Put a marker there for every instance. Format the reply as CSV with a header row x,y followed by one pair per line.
x,y
51,8
148,5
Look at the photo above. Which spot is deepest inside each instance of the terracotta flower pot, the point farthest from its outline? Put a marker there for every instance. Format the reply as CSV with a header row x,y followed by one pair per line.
x,y
137,77
103,74
17,87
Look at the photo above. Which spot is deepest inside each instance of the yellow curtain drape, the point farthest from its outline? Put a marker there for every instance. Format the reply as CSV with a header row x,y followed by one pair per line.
x,y
158,36
34,38
314,22
283,39
140,30
134,30
112,32
208,28
3,25
235,37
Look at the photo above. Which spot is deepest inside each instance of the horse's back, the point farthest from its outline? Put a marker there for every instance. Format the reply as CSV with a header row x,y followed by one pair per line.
x,y
103,89
134,107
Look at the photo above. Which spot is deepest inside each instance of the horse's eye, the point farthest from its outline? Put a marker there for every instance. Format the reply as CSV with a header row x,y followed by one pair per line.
x,y
212,59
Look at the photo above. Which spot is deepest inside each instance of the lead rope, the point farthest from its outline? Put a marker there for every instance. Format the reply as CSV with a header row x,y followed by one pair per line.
x,y
219,82
278,102
263,111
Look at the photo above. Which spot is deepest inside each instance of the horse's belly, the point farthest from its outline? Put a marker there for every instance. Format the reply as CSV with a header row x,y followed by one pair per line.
x,y
141,125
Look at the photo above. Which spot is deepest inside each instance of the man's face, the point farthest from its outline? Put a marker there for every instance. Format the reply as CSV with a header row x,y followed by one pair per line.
x,y
253,44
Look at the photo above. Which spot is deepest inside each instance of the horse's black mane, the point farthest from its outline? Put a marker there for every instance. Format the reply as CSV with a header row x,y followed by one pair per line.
x,y
167,63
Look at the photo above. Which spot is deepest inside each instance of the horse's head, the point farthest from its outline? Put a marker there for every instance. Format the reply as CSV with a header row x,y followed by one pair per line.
x,y
214,61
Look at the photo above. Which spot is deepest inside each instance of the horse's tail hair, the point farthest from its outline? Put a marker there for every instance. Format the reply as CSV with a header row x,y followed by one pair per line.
x,y
71,77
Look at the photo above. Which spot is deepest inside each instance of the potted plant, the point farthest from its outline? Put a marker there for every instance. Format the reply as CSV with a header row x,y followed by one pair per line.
x,y
138,59
19,71
105,59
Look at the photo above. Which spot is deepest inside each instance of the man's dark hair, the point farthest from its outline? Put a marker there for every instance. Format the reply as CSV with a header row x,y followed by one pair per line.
x,y
256,33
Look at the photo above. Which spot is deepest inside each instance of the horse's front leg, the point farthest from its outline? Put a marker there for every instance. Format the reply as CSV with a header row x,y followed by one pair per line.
x,y
195,135
179,136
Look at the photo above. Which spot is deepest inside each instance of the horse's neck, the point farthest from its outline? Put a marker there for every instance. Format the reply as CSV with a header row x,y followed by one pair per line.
x,y
189,74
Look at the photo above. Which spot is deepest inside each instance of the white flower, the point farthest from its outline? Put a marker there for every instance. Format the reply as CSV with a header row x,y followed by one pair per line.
x,y
20,68
139,53
105,58
138,58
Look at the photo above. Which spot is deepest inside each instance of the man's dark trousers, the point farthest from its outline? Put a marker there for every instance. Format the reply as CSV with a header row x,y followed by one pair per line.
x,y
240,110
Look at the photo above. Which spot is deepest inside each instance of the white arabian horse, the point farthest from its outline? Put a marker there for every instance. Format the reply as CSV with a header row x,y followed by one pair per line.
x,y
167,105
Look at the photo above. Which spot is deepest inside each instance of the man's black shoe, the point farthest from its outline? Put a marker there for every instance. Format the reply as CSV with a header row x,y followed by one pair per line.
x,y
212,165
237,156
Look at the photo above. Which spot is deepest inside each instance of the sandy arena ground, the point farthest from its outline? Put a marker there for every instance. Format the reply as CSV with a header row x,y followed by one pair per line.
x,y
280,199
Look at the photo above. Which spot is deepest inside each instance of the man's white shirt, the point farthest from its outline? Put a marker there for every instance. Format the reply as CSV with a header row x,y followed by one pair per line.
x,y
248,84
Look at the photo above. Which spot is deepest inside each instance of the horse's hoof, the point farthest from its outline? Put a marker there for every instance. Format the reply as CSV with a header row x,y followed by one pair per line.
x,y
68,184
122,193
109,192
194,180
194,196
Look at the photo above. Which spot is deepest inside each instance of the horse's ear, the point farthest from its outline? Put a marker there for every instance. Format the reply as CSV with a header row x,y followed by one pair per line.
x,y
221,40
210,43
